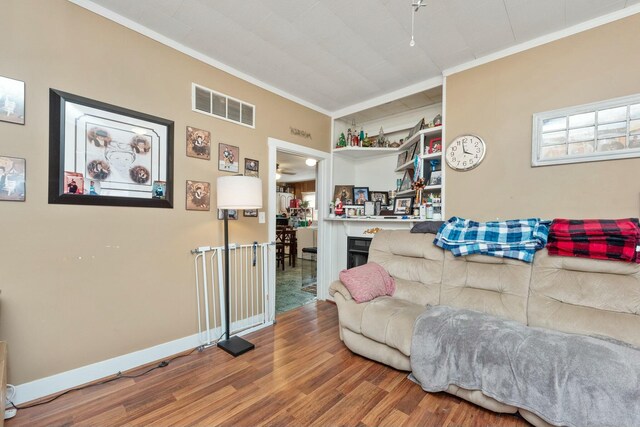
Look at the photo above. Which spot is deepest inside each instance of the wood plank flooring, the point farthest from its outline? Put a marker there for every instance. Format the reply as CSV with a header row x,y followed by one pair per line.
x,y
300,374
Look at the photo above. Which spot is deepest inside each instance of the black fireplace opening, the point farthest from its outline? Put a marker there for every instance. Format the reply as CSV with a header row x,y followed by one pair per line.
x,y
357,251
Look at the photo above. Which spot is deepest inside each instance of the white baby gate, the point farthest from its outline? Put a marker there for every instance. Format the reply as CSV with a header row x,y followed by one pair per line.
x,y
248,284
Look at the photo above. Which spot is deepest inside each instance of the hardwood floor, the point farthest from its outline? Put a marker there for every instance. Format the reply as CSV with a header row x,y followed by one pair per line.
x,y
299,374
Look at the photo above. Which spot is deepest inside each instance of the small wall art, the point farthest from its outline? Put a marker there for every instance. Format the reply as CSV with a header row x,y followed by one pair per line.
x,y
233,214
228,158
251,168
250,212
11,100
198,143
198,196
12,178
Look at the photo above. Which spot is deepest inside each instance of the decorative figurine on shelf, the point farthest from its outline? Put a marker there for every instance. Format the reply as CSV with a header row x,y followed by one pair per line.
x,y
361,137
349,137
339,210
342,142
380,142
355,141
437,120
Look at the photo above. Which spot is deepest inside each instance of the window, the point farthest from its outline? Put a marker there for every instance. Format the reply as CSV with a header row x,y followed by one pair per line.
x,y
224,107
586,133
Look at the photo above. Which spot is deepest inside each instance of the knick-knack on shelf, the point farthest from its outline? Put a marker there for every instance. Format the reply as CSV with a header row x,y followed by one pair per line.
x,y
342,142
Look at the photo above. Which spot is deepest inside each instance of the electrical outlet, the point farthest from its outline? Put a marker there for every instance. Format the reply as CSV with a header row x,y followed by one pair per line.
x,y
9,413
261,218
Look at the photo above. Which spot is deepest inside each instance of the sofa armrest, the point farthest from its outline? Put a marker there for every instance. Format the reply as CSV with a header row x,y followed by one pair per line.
x,y
338,287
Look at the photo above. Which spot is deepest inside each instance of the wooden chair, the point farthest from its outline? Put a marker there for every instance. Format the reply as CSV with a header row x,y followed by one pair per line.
x,y
290,247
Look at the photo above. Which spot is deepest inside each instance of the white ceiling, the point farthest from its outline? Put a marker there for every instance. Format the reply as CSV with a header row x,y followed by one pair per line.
x,y
332,54
296,164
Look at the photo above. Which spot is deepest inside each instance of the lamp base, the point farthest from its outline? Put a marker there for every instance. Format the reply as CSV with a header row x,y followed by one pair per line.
x,y
236,346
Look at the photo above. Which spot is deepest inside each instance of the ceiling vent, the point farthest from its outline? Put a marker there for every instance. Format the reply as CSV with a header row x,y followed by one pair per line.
x,y
221,106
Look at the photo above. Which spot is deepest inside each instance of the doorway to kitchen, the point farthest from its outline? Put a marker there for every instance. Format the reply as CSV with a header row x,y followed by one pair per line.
x,y
296,191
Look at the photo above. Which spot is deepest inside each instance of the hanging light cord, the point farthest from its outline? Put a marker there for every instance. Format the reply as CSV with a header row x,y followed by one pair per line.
x,y
415,6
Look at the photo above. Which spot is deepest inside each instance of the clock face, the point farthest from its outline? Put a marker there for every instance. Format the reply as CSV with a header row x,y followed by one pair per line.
x,y
465,152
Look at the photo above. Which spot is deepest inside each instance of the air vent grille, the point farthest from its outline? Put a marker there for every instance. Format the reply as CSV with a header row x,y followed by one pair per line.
x,y
219,105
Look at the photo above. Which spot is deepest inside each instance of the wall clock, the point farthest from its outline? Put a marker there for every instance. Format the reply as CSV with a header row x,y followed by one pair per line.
x,y
465,152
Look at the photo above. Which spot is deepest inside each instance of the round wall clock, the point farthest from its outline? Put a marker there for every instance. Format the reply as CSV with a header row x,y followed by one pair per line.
x,y
465,152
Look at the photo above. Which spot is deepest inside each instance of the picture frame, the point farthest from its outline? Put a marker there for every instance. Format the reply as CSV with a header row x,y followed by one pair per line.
x,y
415,129
380,196
403,206
344,193
361,195
159,190
198,196
402,159
435,146
250,212
251,167
198,143
13,172
122,150
435,178
12,95
413,150
405,184
233,214
369,208
228,158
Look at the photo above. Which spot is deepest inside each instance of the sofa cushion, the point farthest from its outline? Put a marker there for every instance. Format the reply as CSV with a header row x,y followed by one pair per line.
x,y
497,286
390,321
367,282
414,262
586,296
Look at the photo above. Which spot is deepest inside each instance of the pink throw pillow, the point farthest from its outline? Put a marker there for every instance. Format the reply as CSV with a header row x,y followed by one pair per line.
x,y
367,282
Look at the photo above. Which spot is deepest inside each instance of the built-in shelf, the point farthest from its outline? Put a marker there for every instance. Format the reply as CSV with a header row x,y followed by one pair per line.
x,y
405,193
408,165
432,156
428,131
378,219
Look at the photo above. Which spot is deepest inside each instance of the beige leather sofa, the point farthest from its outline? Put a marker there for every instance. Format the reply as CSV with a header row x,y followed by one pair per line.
x,y
574,295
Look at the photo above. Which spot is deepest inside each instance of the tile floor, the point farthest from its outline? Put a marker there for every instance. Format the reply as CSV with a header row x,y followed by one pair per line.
x,y
290,284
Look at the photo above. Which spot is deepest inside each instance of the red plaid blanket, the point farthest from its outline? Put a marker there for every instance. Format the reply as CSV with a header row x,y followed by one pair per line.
x,y
614,239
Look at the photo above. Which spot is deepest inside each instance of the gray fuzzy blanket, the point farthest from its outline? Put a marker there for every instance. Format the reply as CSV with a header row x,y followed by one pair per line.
x,y
566,379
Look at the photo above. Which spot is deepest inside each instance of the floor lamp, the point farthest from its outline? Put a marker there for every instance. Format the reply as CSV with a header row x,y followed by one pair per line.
x,y
235,192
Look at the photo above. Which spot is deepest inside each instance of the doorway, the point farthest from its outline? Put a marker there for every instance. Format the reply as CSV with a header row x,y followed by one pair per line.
x,y
300,280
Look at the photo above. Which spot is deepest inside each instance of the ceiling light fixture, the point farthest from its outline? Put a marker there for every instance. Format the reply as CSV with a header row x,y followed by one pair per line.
x,y
311,162
415,5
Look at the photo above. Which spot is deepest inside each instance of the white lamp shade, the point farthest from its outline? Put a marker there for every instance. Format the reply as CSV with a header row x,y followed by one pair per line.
x,y
239,192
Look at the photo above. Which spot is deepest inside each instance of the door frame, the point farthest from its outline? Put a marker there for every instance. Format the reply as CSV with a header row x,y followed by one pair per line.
x,y
323,197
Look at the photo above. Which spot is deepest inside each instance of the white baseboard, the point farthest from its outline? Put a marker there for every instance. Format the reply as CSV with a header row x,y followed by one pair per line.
x,y
65,380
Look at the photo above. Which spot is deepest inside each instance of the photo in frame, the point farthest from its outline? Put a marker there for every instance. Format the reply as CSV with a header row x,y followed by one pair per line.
x,y
415,129
198,196
123,151
435,146
413,150
159,190
250,212
228,158
405,184
402,159
12,100
12,179
361,195
73,183
233,214
380,196
403,205
435,178
344,193
251,168
198,143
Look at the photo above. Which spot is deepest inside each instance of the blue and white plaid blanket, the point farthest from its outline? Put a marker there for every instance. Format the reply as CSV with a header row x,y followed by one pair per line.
x,y
517,239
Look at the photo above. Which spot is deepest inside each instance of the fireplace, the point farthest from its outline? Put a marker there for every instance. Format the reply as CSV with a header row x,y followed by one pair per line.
x,y
357,251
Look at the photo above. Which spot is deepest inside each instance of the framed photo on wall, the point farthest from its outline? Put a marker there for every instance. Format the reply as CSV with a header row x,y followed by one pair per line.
x,y
233,214
250,212
198,196
122,151
198,143
228,158
11,100
251,168
12,178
